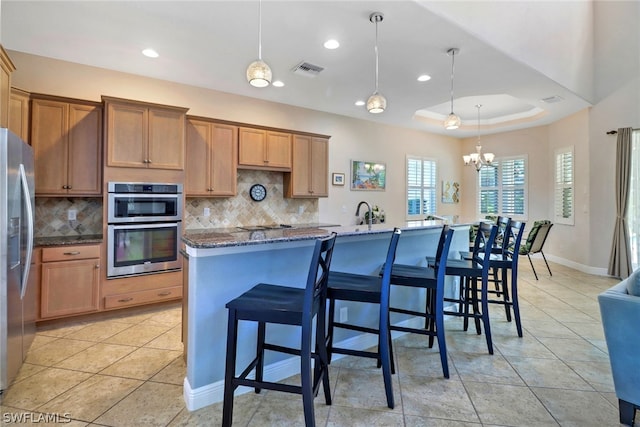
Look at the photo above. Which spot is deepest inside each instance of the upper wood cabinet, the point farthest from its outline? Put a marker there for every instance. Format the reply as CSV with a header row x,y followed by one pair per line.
x,y
143,135
264,149
19,113
66,136
212,150
309,174
6,68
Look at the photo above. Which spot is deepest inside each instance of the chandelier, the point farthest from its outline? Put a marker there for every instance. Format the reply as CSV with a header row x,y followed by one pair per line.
x,y
478,159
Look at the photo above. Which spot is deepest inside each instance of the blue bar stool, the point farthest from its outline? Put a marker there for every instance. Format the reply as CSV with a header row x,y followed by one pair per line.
x,y
267,303
470,271
432,279
366,289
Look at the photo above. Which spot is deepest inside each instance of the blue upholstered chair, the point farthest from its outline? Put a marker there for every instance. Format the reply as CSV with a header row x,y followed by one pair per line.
x,y
620,310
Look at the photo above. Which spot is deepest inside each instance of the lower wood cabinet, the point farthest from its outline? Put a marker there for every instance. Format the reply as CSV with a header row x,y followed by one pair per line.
x,y
142,289
70,280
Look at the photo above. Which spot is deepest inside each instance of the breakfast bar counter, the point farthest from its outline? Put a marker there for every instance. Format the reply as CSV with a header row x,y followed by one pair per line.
x,y
221,264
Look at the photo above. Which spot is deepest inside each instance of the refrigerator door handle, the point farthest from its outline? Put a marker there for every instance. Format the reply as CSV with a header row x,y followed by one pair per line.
x,y
27,261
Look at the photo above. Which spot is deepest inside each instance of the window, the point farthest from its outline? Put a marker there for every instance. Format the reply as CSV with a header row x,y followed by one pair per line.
x,y
421,187
564,191
502,189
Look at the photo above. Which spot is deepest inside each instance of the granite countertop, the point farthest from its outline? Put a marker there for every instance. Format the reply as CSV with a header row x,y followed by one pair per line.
x,y
67,240
228,237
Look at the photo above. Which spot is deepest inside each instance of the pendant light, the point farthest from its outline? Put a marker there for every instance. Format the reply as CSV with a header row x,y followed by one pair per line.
x,y
478,159
453,121
376,103
258,72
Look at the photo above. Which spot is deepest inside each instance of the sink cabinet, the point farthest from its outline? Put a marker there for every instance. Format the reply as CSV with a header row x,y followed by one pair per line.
x,y
264,149
212,150
309,173
69,280
143,135
66,136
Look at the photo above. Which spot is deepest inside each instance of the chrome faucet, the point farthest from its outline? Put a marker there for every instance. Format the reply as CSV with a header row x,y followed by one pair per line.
x,y
370,212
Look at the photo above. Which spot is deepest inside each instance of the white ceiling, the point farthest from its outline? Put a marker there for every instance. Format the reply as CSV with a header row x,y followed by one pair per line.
x,y
210,43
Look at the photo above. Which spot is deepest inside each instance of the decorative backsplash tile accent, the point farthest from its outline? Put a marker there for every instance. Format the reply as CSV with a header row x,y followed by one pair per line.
x,y
241,210
51,216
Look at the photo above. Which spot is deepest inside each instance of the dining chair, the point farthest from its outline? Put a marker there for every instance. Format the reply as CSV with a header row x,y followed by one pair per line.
x,y
344,286
432,279
470,271
535,242
285,305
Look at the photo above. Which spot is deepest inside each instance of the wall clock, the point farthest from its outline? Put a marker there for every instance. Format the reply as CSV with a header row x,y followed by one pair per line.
x,y
258,192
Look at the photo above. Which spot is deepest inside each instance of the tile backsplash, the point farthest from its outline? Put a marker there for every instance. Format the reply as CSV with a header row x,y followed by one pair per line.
x,y
51,212
51,216
241,210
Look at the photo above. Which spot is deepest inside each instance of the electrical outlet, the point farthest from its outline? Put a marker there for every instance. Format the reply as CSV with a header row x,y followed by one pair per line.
x,y
300,210
72,214
344,314
207,212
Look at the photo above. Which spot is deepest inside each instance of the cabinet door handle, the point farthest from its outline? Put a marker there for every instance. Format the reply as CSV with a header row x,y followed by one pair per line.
x,y
125,299
149,161
72,253
97,265
164,294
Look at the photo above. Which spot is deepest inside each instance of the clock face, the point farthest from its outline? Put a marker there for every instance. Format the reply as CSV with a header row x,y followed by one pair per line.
x,y
258,192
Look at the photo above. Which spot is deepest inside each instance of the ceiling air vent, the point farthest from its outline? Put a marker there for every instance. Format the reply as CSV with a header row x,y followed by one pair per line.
x,y
307,69
552,99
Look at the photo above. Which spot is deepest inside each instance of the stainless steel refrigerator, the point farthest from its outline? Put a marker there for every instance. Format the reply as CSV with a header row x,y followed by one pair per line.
x,y
17,302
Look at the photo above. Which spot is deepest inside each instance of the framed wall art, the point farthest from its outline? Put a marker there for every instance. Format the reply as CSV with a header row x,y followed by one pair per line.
x,y
368,176
337,179
450,192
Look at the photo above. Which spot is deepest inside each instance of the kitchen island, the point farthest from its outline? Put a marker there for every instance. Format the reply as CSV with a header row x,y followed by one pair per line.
x,y
221,264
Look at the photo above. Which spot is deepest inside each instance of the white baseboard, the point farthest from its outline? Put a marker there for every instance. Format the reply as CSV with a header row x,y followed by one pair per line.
x,y
596,271
214,393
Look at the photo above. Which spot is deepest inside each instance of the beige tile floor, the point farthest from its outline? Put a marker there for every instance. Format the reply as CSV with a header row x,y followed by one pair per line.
x,y
128,371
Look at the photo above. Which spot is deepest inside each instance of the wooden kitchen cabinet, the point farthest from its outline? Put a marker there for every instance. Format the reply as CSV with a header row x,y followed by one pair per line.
x,y
66,136
143,135
309,174
264,149
19,113
70,280
211,167
6,68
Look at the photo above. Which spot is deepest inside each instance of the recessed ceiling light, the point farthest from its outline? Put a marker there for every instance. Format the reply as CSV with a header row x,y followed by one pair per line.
x,y
150,53
424,78
360,103
278,83
332,44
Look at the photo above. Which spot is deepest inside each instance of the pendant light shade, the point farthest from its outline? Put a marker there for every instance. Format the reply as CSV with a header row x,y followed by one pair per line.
x,y
452,121
376,103
258,72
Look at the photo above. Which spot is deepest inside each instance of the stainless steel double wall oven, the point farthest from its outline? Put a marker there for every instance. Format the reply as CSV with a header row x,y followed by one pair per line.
x,y
144,228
